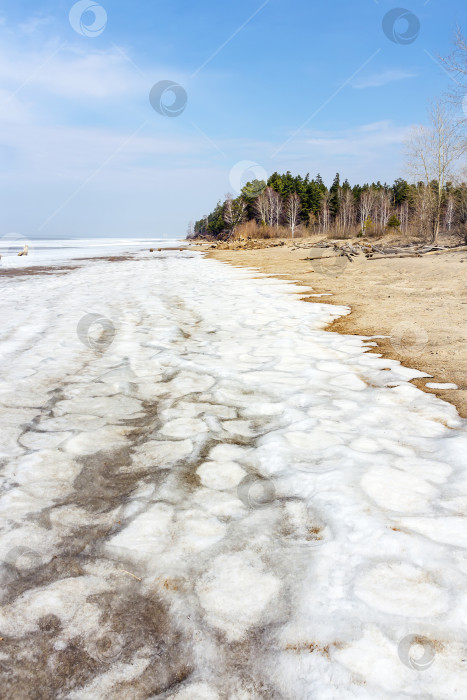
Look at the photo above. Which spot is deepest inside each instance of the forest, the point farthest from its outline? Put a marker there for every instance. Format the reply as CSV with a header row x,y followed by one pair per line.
x,y
295,205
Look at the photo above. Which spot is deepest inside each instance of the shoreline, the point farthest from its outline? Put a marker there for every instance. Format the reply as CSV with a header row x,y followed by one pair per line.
x,y
420,304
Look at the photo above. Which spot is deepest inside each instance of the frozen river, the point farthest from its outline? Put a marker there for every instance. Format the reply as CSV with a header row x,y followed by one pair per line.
x,y
205,495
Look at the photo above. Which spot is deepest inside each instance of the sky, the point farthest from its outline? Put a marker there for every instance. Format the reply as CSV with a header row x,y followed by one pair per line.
x,y
131,118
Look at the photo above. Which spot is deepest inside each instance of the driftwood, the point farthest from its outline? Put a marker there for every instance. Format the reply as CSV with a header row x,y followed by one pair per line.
x,y
377,252
391,257
320,257
434,250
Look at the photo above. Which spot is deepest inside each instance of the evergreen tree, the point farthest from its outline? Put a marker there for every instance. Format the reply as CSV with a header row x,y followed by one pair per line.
x,y
334,200
400,191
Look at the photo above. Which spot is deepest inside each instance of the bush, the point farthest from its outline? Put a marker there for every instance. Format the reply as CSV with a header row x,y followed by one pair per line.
x,y
368,227
393,223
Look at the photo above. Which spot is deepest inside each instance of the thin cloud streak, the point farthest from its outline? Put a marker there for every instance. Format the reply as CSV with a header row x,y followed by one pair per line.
x,y
383,78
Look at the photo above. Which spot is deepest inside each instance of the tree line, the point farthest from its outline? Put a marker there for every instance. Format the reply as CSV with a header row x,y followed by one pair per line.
x,y
307,205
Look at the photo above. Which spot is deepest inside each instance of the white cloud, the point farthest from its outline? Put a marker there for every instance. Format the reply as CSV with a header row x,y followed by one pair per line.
x,y
69,72
68,123
360,141
33,24
383,78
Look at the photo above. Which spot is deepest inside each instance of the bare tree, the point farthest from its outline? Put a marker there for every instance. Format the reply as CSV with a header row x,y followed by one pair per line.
x,y
262,207
324,212
276,208
383,204
403,216
424,207
449,211
432,153
292,211
346,216
270,211
456,65
366,206
234,212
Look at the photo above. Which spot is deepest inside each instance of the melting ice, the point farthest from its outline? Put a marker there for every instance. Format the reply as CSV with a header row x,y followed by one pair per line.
x,y
206,495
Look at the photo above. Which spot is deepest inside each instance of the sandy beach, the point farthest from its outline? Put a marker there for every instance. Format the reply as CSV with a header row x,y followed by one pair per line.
x,y
420,303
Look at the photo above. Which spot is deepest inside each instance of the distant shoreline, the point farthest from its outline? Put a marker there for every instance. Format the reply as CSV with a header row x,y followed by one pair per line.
x,y
39,261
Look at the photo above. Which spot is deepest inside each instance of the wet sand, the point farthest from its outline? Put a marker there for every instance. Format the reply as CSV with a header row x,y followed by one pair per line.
x,y
34,270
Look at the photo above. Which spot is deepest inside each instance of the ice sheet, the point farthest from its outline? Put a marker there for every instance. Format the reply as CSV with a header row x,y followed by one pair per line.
x,y
206,495
54,251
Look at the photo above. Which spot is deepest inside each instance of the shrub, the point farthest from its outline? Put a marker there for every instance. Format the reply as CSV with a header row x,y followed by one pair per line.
x,y
393,223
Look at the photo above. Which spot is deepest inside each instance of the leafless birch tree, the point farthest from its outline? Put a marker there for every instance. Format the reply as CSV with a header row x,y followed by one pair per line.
x,y
262,207
270,210
346,216
324,212
234,213
449,212
366,206
383,204
292,211
432,153
276,208
403,216
456,65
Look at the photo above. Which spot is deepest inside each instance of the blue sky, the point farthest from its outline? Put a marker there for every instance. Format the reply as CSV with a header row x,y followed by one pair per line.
x,y
285,84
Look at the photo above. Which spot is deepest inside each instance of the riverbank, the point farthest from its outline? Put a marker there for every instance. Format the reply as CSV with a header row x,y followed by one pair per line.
x,y
419,303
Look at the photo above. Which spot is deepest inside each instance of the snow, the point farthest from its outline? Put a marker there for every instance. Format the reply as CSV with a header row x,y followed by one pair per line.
x,y
227,481
441,385
47,251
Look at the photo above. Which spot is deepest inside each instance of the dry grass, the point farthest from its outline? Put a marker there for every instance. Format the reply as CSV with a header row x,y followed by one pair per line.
x,y
251,230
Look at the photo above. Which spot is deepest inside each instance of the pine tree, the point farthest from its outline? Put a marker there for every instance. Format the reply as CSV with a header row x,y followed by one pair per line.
x,y
334,199
400,191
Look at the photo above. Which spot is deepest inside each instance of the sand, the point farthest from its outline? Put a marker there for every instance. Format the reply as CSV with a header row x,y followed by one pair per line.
x,y
419,303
